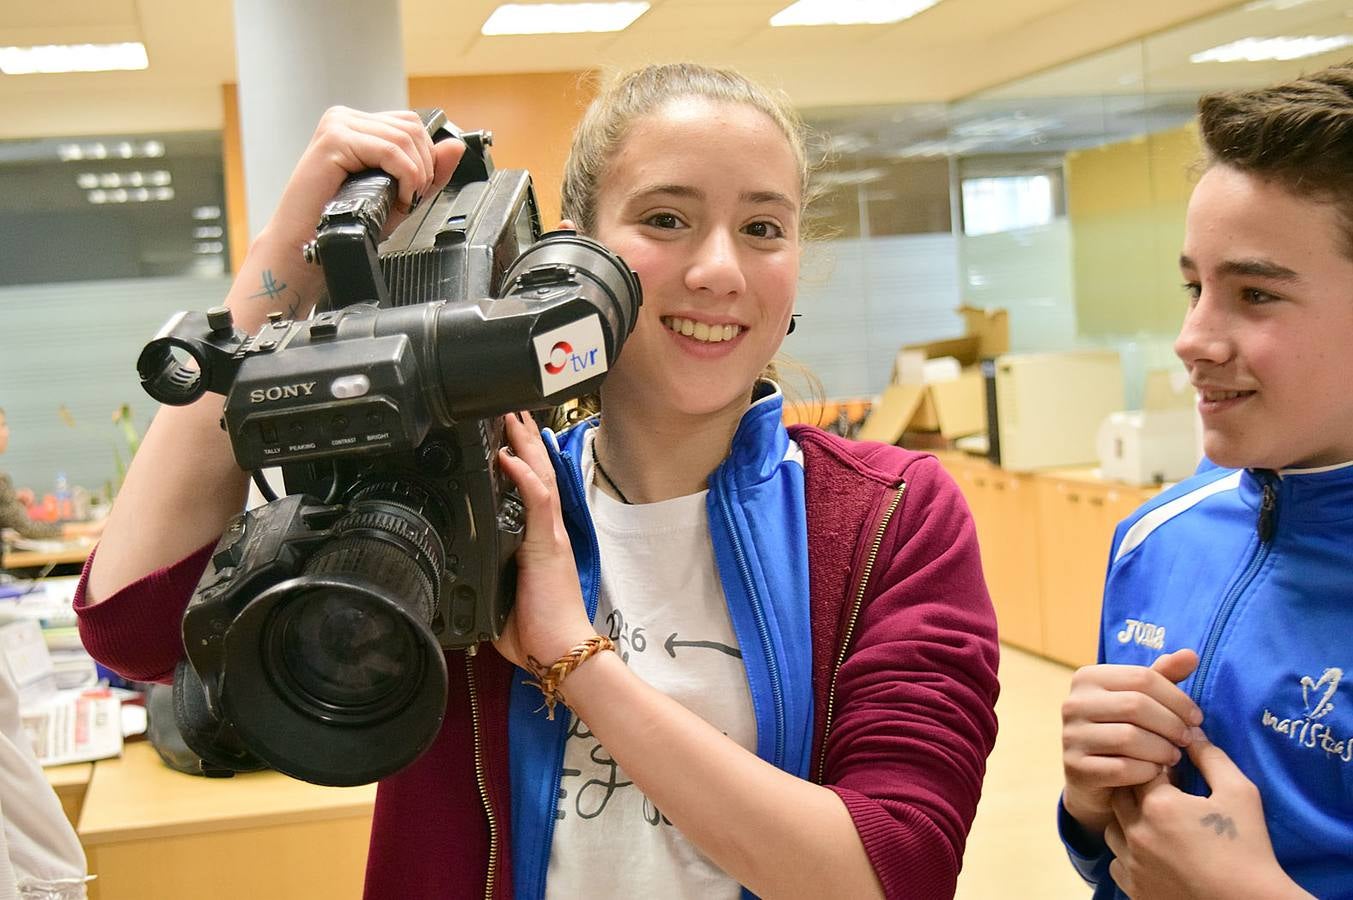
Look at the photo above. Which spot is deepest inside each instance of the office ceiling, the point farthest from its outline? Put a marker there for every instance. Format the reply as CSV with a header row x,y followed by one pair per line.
x,y
954,49
1159,64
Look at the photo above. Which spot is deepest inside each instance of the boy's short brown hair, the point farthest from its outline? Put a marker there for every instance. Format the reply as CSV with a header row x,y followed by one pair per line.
x,y
1298,134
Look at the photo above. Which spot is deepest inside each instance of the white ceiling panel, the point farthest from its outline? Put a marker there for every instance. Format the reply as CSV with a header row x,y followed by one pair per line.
x,y
949,51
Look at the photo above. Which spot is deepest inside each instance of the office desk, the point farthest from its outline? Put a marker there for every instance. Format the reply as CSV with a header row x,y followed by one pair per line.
x,y
70,783
151,833
35,559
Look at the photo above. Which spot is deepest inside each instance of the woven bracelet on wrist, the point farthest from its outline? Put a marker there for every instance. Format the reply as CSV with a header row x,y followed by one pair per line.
x,y
549,678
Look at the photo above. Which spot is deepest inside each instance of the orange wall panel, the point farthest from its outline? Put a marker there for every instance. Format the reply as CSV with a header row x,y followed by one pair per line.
x,y
532,117
232,148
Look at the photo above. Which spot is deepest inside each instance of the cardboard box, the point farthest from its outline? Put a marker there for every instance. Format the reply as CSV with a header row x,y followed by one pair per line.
x,y
954,406
986,333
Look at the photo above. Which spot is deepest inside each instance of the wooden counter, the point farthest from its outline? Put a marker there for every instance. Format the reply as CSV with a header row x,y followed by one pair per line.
x,y
1045,540
73,554
152,833
70,783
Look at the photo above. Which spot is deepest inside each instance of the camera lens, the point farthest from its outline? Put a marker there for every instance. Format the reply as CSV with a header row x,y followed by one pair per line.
x,y
339,654
335,675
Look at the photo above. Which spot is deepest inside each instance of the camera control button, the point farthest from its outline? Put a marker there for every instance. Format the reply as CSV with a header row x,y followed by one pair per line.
x,y
323,329
349,386
229,557
269,432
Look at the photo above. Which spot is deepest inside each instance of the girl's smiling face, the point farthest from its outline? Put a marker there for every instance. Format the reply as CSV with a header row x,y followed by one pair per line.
x,y
702,201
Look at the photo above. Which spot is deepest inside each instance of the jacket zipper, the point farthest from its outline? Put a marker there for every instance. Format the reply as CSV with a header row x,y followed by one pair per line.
x,y
773,667
579,495
1265,526
858,604
481,779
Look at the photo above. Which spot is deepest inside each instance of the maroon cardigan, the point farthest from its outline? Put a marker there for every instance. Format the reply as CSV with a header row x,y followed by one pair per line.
x,y
913,704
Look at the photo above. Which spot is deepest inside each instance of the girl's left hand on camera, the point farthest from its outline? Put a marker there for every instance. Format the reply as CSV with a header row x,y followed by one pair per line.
x,y
548,618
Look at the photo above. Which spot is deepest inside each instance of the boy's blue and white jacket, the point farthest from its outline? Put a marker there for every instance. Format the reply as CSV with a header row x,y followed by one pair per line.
x,y
759,530
1254,571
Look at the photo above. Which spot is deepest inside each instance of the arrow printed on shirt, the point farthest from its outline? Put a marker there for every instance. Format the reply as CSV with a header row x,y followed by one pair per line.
x,y
672,643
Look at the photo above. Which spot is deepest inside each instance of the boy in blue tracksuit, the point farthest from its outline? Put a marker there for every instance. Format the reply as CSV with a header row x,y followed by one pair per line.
x,y
1210,753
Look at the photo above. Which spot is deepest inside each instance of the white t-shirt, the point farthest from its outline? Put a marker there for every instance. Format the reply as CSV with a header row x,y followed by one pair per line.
x,y
662,603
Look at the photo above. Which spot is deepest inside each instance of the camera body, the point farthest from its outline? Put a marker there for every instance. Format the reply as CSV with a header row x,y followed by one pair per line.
x,y
315,639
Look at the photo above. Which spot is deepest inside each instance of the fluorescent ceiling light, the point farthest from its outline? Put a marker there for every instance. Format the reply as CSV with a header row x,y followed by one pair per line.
x,y
72,58
1253,49
157,178
850,178
1009,127
1274,5
134,195
849,12
561,18
123,149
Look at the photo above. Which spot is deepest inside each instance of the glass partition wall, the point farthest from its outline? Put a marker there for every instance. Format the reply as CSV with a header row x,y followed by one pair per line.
x,y
105,237
1059,197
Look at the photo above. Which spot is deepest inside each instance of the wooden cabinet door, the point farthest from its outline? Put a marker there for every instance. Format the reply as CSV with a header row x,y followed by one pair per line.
x,y
1014,542
1045,542
1004,513
1072,555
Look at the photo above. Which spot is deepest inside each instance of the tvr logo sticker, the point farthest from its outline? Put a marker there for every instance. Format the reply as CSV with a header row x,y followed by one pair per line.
x,y
570,354
562,357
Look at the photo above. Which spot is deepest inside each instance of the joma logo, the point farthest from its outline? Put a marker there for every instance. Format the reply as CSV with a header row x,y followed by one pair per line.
x,y
282,392
1143,633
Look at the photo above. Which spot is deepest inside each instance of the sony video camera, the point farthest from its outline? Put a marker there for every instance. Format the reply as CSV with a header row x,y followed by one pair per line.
x,y
314,641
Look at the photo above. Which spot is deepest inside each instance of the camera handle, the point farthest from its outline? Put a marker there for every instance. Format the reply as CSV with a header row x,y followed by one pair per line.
x,y
352,223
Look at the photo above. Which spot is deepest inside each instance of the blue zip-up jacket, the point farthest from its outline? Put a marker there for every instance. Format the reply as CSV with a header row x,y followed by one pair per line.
x,y
756,517
1254,571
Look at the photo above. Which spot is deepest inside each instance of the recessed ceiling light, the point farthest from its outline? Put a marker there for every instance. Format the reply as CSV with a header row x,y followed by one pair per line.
x,y
1252,49
849,12
850,178
561,18
53,58
1274,5
156,178
123,149
135,195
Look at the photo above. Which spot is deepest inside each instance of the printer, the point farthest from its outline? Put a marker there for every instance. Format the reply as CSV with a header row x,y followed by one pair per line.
x,y
1156,444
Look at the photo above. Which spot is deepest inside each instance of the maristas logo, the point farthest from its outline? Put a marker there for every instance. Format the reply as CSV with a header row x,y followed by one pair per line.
x,y
1308,729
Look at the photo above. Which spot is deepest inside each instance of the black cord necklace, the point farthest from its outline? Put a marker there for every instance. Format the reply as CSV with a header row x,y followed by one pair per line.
x,y
601,470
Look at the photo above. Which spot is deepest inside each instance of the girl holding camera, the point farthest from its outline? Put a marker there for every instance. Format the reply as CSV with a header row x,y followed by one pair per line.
x,y
767,658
